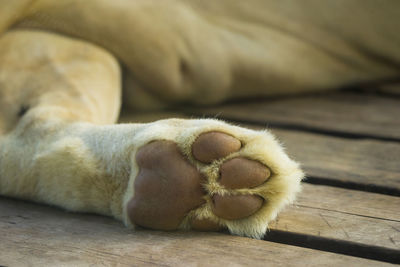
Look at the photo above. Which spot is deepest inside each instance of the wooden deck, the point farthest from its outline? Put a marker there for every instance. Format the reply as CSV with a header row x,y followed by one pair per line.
x,y
347,215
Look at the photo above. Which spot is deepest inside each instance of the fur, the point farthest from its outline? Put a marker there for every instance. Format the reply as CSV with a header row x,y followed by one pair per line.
x,y
63,65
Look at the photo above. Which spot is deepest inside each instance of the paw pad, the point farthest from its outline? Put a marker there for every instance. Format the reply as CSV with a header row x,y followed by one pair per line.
x,y
235,207
214,145
207,179
240,172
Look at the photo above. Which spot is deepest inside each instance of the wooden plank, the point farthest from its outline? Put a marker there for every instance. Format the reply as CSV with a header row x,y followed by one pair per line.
x,y
338,112
392,90
33,235
364,162
342,214
350,201
45,236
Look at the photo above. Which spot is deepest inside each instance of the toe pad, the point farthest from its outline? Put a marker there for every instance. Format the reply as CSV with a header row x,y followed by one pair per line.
x,y
214,145
235,207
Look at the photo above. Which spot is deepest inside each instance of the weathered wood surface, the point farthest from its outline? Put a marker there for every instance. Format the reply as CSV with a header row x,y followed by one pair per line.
x,y
362,161
41,236
342,214
345,113
34,235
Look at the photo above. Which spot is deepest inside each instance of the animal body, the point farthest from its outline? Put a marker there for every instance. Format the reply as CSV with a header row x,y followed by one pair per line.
x,y
66,65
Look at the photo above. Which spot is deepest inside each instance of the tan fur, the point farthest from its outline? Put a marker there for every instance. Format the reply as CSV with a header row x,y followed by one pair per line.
x,y
59,62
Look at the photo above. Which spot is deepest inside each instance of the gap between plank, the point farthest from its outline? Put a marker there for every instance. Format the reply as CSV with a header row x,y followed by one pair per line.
x,y
301,128
372,188
377,92
335,133
334,245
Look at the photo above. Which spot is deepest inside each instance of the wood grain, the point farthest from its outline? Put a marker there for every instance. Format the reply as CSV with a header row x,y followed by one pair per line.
x,y
362,161
37,235
337,113
33,235
341,214
350,201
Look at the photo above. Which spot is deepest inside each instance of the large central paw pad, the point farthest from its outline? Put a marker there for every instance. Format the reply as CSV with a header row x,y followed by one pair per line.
x,y
219,182
166,188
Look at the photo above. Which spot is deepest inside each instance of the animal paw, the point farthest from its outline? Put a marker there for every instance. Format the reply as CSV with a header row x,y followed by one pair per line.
x,y
208,175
